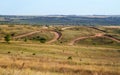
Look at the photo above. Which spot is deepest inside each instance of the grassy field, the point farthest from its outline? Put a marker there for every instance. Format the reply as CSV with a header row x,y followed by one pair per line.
x,y
72,33
16,29
92,56
100,41
112,30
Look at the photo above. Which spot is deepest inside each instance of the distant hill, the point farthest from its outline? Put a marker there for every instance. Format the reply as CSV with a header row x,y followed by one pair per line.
x,y
62,20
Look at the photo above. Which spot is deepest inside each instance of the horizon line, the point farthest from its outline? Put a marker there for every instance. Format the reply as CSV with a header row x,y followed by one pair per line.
x,y
60,15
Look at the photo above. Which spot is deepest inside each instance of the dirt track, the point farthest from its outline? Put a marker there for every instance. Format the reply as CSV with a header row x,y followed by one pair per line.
x,y
80,38
55,38
26,34
97,35
107,36
114,39
58,35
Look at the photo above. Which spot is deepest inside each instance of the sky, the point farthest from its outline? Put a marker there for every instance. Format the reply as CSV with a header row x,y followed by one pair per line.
x,y
59,7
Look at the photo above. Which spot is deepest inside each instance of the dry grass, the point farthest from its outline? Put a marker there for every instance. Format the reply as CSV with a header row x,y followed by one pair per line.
x,y
75,32
52,59
33,58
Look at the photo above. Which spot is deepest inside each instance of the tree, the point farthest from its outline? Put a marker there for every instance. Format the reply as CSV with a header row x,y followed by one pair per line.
x,y
7,38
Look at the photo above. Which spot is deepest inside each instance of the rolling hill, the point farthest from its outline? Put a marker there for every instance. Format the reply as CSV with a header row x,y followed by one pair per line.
x,y
62,20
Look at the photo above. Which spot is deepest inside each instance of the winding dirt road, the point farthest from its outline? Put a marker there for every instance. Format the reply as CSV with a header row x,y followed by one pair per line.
x,y
80,38
56,37
107,36
72,42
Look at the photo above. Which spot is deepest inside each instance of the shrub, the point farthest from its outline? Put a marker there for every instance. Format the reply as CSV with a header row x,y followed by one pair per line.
x,y
39,38
13,34
25,40
9,52
42,40
69,58
33,54
7,38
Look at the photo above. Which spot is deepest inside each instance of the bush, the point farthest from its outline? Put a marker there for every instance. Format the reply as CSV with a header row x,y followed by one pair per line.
x,y
69,58
42,40
25,40
7,38
9,52
13,34
33,54
39,38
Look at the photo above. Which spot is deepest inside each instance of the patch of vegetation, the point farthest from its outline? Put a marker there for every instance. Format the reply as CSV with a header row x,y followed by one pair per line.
x,y
97,41
69,58
39,38
9,52
75,32
25,40
34,54
7,38
42,39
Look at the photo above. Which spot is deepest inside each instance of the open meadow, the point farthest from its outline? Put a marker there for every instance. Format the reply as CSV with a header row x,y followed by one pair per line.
x,y
59,50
